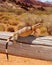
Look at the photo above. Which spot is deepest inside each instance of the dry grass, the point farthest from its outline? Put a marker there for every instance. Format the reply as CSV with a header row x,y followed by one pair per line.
x,y
25,19
8,18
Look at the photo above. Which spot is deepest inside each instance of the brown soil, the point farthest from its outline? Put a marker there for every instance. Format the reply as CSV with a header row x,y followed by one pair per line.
x,y
16,60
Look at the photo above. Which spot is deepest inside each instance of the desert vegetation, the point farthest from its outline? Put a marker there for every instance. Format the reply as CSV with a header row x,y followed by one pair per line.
x,y
14,17
11,22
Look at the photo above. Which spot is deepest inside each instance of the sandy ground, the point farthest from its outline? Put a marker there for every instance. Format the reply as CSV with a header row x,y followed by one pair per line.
x,y
16,60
